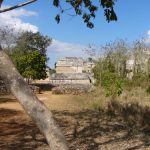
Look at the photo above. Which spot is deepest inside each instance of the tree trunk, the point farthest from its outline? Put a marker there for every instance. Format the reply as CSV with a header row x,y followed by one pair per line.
x,y
39,113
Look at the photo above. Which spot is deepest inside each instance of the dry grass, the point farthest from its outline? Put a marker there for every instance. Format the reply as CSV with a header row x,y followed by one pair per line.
x,y
136,95
97,98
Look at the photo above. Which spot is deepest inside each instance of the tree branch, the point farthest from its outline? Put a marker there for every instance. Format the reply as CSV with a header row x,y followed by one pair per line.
x,y
17,6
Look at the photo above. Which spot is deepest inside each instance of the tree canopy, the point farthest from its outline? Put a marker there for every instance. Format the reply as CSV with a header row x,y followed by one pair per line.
x,y
29,55
32,65
29,42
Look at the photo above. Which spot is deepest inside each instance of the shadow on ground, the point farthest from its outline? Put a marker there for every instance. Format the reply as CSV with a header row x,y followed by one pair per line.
x,y
119,127
17,132
7,100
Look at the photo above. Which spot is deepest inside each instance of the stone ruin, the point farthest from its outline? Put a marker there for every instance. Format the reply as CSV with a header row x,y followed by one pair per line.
x,y
73,76
75,89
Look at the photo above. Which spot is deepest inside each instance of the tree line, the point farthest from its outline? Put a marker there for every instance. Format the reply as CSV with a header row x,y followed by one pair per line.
x,y
122,64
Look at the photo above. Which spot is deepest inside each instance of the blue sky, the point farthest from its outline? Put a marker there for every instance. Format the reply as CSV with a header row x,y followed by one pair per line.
x,y
71,35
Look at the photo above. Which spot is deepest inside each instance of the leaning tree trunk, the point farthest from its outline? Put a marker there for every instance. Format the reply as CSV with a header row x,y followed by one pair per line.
x,y
39,113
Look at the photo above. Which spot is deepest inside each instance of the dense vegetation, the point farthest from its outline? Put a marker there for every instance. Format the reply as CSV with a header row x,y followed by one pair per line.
x,y
122,66
29,55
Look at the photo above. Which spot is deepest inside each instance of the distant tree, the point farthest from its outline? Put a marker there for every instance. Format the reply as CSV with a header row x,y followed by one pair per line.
x,y
113,84
29,42
90,51
141,53
8,37
109,70
113,60
29,55
31,65
117,54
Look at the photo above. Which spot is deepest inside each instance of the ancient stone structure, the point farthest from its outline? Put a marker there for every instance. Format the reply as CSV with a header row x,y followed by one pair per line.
x,y
130,68
73,65
74,89
71,78
72,70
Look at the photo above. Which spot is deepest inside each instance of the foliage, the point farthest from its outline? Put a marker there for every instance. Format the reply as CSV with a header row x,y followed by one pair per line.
x,y
97,70
29,42
114,59
86,9
31,65
108,79
138,80
112,84
29,55
110,70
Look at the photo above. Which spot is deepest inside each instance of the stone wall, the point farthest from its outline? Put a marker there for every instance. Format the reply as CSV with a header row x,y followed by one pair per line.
x,y
72,89
73,65
69,69
71,81
71,78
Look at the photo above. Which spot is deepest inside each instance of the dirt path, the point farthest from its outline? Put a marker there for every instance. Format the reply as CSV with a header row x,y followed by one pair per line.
x,y
84,129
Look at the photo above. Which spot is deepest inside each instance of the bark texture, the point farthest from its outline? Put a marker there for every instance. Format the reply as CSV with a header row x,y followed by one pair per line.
x,y
39,113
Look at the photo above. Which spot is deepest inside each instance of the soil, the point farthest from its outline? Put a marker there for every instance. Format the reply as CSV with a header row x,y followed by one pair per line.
x,y
84,129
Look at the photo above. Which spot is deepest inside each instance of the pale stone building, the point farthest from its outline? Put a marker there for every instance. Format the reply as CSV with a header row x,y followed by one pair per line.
x,y
73,65
72,70
71,78
130,68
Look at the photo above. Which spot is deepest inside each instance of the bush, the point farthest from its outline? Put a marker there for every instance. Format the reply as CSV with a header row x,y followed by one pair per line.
x,y
112,83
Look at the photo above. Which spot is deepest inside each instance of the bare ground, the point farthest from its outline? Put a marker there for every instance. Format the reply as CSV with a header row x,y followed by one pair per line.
x,y
84,129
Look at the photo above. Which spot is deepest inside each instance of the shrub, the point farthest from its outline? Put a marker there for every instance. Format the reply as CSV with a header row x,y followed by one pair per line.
x,y
112,83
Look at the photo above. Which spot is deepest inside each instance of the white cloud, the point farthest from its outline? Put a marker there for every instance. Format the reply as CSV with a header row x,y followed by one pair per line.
x,y
14,19
147,39
148,32
59,47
